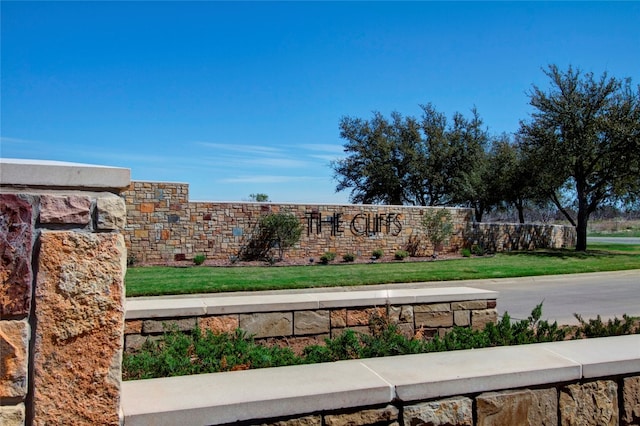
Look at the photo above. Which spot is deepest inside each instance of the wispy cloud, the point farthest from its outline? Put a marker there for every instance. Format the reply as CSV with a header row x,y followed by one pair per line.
x,y
245,149
266,179
15,141
324,147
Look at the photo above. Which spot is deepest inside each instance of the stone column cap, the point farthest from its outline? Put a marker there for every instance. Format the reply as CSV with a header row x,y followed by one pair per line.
x,y
46,173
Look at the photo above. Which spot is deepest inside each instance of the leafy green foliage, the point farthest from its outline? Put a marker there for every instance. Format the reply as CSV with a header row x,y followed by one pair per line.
x,y
199,259
348,257
278,231
613,327
181,353
327,257
259,197
438,226
401,254
377,253
583,142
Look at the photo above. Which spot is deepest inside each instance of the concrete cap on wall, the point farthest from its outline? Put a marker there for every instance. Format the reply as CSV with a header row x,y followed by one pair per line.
x,y
44,173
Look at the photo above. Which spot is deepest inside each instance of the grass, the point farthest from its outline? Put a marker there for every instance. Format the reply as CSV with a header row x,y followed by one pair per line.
x,y
614,228
151,281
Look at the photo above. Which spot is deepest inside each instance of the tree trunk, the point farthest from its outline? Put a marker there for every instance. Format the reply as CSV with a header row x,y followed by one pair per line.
x,y
583,218
520,207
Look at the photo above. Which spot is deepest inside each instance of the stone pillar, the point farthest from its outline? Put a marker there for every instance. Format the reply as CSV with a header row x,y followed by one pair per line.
x,y
63,261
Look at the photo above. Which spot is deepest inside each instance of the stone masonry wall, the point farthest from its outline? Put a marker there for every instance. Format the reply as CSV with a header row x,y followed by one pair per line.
x,y
164,226
584,403
307,327
63,261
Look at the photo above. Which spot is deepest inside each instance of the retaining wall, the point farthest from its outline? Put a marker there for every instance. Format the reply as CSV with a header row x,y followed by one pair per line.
x,y
164,226
582,382
308,318
63,260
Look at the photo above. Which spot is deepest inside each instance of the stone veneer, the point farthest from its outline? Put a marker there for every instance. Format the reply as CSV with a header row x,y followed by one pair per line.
x,y
164,226
63,262
305,319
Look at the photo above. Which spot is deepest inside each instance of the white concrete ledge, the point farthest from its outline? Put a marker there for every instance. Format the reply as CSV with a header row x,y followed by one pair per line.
x,y
243,395
168,307
255,394
40,173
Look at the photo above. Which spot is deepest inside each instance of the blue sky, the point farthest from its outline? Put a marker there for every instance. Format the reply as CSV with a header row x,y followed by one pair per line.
x,y
237,98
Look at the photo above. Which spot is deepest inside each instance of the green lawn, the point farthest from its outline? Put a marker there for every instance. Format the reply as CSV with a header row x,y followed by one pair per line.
x,y
148,281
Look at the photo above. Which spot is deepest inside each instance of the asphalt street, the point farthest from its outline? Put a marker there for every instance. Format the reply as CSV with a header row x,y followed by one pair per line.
x,y
608,294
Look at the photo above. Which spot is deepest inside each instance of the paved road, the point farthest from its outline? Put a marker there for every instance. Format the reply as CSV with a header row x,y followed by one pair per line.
x,y
613,240
606,294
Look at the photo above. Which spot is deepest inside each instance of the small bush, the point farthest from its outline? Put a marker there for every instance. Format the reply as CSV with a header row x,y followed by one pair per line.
x,y
327,257
615,327
401,254
199,259
477,250
377,253
466,252
200,352
348,257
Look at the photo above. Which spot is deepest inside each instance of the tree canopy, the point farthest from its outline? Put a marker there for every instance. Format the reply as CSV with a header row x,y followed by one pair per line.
x,y
583,143
405,160
580,150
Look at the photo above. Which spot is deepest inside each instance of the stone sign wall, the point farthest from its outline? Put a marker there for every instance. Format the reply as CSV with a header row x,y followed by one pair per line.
x,y
164,226
63,260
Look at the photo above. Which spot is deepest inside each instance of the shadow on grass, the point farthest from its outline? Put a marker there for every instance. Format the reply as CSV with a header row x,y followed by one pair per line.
x,y
561,254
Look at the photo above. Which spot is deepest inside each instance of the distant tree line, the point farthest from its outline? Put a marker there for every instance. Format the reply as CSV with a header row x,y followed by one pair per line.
x,y
578,153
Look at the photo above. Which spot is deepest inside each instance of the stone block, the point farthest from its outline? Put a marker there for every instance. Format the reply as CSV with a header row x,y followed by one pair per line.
x,y
147,208
521,407
313,420
69,209
434,319
481,318
400,314
219,324
12,415
15,256
359,317
469,305
134,342
457,411
270,324
311,322
160,326
432,307
133,327
14,358
462,318
338,318
111,212
631,401
589,404
374,416
80,323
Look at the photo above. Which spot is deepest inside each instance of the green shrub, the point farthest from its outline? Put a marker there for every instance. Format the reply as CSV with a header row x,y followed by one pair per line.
x,y
401,254
180,353
615,327
348,257
466,252
199,259
438,225
377,253
327,257
477,250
